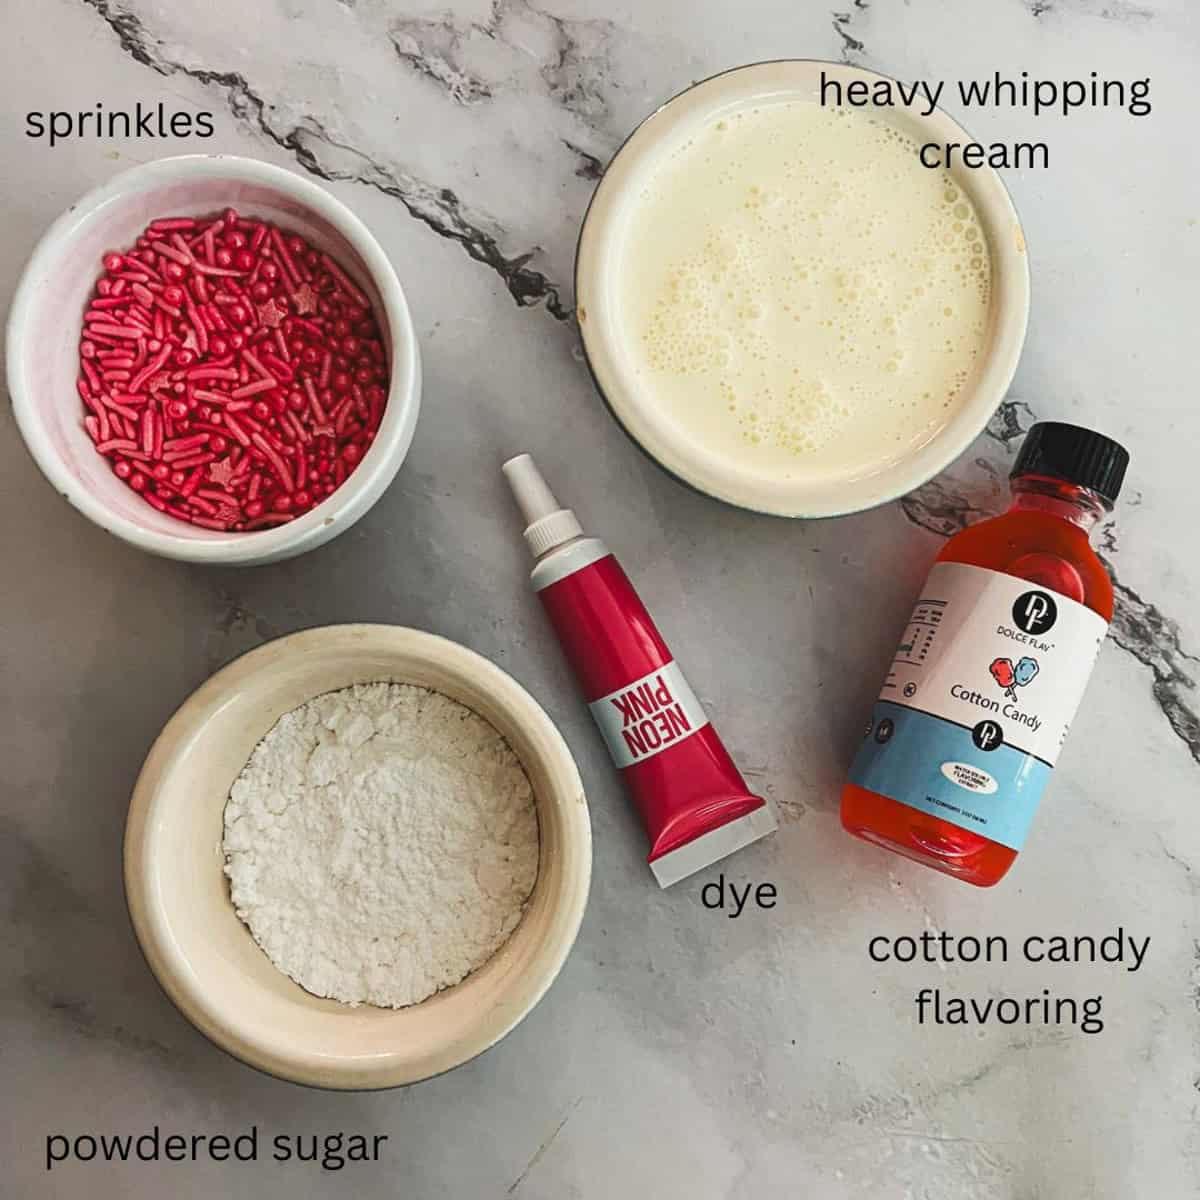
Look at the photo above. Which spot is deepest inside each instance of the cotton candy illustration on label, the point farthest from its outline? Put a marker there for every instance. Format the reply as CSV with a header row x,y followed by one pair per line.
x,y
1011,677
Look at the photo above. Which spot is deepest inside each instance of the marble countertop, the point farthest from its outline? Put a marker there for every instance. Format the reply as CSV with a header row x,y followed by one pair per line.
x,y
682,1054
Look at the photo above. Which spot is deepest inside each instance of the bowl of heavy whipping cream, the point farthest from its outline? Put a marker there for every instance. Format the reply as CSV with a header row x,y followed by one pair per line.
x,y
784,306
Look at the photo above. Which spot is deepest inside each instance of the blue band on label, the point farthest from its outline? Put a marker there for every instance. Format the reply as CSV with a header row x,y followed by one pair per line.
x,y
965,776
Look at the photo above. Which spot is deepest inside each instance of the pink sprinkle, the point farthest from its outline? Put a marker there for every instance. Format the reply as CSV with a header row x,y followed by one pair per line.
x,y
347,283
182,257
219,495
252,359
268,519
210,397
155,364
197,501
186,443
211,373
277,464
301,433
235,428
196,460
116,444
313,402
285,256
253,389
130,414
118,331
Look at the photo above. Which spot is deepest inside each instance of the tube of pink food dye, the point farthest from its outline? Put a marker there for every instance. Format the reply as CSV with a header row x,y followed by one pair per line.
x,y
694,803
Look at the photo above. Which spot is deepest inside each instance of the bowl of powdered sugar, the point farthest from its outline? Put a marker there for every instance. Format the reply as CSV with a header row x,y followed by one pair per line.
x,y
358,856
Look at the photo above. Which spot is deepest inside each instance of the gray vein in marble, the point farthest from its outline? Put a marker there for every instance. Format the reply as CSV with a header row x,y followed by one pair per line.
x,y
1189,872
433,49
83,1019
460,56
40,888
944,506
42,897
1156,642
1195,991
540,1152
852,47
319,153
939,508
590,167
1116,10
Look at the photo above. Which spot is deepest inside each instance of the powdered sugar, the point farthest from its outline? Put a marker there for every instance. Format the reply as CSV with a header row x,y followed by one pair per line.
x,y
381,843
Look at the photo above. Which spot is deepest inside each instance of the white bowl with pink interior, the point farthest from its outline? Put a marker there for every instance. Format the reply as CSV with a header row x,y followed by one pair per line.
x,y
44,333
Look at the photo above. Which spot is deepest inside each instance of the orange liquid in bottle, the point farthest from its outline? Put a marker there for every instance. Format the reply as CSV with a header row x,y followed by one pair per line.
x,y
1042,538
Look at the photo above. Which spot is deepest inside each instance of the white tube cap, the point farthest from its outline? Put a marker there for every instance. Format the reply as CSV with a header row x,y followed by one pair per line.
x,y
547,523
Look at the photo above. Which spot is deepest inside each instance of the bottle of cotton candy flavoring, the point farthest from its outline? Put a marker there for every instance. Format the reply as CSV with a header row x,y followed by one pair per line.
x,y
693,801
991,668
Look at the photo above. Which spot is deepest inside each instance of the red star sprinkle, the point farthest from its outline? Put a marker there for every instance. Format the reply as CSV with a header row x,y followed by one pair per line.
x,y
221,472
305,299
190,343
228,513
270,314
161,380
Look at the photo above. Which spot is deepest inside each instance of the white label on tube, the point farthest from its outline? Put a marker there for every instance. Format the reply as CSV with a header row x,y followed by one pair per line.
x,y
648,716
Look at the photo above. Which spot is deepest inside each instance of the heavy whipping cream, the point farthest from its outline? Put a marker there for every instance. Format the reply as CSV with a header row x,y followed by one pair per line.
x,y
799,294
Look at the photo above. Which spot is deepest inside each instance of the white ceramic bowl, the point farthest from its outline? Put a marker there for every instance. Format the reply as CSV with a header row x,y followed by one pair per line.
x,y
204,956
631,397
47,312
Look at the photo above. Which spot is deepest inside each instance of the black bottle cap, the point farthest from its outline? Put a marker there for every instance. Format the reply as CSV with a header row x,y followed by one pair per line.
x,y
1074,454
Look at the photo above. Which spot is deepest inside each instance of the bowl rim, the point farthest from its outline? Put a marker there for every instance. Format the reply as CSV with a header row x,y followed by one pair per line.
x,y
923,464
378,466
195,1001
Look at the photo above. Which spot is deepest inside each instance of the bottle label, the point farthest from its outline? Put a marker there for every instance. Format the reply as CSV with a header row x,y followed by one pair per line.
x,y
986,680
648,716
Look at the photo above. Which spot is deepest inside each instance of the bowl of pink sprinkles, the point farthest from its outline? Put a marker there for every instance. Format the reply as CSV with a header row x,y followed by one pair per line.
x,y
212,358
